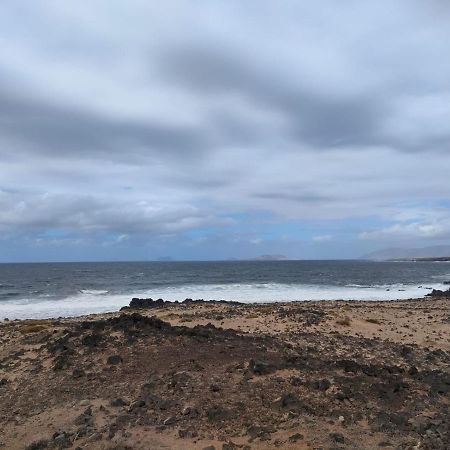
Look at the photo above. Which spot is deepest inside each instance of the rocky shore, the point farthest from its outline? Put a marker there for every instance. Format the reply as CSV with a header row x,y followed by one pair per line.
x,y
224,375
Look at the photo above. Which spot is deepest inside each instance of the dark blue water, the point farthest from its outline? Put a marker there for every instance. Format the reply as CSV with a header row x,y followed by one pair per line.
x,y
59,289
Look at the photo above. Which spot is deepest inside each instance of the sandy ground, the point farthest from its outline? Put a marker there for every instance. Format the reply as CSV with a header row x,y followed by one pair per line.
x,y
212,375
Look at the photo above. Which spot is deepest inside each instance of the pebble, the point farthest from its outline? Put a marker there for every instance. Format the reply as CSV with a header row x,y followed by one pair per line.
x,y
188,410
114,359
296,437
136,404
94,437
170,420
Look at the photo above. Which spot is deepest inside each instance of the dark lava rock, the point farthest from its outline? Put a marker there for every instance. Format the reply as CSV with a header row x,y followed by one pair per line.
x,y
260,367
405,351
149,303
321,385
92,340
118,402
85,418
296,437
136,405
187,433
181,377
146,303
348,365
59,345
170,420
217,413
230,446
391,421
78,373
62,361
114,360
438,381
3,382
134,325
337,437
296,381
62,440
287,400
262,433
389,390
83,430
439,293
38,445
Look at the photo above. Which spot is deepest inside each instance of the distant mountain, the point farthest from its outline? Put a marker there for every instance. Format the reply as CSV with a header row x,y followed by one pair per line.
x,y
165,258
270,258
437,251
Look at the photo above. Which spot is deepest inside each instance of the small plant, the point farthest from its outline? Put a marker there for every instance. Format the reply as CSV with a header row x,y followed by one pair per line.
x,y
252,316
33,326
372,320
344,321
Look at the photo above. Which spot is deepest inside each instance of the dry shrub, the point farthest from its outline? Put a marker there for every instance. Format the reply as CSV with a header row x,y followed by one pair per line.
x,y
371,320
33,326
251,316
344,321
171,316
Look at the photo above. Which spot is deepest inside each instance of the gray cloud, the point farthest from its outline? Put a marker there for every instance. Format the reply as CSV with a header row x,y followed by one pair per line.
x,y
57,130
181,116
90,214
302,197
311,118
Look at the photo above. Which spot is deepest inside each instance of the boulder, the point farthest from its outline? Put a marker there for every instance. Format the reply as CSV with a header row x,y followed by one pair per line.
x,y
114,360
259,367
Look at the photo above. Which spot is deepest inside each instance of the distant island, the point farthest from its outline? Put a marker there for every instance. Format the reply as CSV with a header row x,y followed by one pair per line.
x,y
270,258
434,253
431,259
262,258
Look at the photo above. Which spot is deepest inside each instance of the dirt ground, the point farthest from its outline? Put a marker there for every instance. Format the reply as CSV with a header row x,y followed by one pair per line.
x,y
218,375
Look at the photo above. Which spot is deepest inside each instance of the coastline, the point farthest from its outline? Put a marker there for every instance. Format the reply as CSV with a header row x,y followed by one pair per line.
x,y
308,374
88,302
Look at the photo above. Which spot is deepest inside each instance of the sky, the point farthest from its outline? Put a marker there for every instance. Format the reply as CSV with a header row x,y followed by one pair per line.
x,y
222,129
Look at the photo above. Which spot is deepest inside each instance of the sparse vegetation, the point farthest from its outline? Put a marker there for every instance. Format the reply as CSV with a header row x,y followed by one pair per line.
x,y
33,326
345,321
372,320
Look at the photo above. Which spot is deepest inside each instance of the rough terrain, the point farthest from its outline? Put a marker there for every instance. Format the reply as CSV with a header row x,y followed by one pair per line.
x,y
218,375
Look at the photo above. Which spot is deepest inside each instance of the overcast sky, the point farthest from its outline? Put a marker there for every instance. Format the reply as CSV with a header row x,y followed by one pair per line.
x,y
213,129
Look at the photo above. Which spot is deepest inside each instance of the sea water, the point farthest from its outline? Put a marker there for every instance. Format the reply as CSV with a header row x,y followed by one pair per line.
x,y
67,289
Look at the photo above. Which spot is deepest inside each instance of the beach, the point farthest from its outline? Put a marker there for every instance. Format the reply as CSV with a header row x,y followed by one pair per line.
x,y
229,375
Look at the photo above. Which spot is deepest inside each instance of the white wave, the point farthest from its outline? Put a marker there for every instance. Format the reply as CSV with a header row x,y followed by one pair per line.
x,y
76,305
270,292
93,291
445,277
99,301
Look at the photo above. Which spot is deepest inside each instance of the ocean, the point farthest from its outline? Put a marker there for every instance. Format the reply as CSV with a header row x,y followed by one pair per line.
x,y
44,290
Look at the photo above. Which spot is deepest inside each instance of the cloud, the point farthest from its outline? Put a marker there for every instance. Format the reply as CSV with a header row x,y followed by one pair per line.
x,y
42,127
164,119
322,238
310,116
414,224
90,214
410,231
